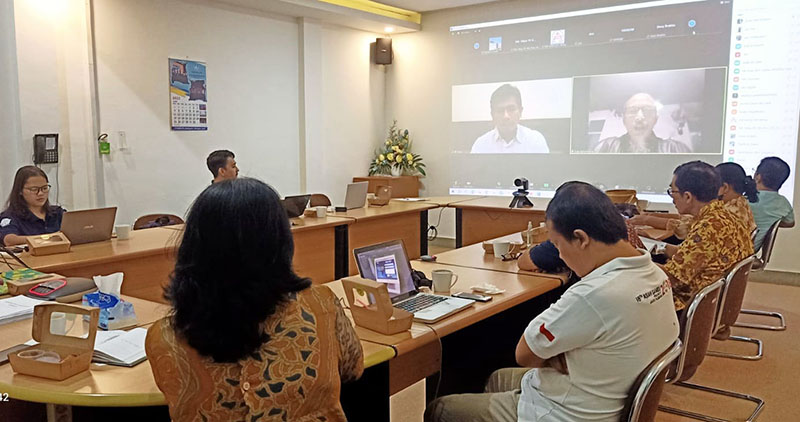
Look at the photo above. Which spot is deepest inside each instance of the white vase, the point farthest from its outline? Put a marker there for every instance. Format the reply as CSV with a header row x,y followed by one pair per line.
x,y
397,171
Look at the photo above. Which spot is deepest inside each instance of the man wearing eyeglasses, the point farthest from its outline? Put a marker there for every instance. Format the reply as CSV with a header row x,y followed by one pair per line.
x,y
508,136
640,115
716,241
28,211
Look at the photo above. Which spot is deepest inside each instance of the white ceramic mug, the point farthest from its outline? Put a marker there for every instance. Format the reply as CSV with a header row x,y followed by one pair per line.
x,y
443,280
123,231
58,323
501,248
322,212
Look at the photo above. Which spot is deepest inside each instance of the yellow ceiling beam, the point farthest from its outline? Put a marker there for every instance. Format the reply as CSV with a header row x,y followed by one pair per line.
x,y
379,9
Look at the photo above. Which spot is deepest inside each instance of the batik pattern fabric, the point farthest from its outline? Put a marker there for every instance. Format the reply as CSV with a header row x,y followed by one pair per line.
x,y
741,209
716,242
294,376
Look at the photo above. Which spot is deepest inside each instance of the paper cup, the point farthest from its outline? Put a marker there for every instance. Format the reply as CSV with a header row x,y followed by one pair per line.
x,y
123,231
322,212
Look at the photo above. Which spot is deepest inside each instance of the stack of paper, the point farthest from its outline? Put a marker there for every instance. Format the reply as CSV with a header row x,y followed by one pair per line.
x,y
122,348
17,308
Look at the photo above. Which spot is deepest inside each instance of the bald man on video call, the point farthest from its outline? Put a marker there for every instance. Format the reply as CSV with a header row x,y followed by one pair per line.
x,y
640,115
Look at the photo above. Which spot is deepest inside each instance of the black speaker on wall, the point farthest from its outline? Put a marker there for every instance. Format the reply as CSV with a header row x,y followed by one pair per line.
x,y
383,51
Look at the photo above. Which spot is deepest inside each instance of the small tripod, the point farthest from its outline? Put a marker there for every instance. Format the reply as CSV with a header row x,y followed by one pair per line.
x,y
520,199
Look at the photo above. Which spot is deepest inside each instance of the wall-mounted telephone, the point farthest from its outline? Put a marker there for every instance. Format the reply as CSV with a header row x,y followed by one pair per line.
x,y
45,148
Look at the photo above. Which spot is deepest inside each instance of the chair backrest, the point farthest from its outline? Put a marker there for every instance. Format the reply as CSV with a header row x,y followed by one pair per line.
x,y
319,200
730,302
769,242
645,393
156,220
697,323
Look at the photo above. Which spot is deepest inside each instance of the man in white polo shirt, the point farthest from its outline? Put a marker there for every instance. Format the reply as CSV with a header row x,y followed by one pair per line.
x,y
508,136
588,347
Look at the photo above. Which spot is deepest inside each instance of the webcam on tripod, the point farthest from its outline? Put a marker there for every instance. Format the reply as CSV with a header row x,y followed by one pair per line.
x,y
521,195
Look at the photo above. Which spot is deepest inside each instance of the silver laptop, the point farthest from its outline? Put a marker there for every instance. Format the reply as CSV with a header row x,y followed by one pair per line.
x,y
88,226
356,196
388,263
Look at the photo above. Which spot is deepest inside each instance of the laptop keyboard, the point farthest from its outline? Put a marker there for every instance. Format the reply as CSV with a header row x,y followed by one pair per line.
x,y
419,302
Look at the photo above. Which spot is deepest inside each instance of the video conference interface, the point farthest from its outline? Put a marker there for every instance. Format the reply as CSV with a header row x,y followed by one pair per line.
x,y
619,96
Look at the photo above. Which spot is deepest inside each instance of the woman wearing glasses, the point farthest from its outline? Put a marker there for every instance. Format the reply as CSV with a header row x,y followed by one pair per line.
x,y
28,211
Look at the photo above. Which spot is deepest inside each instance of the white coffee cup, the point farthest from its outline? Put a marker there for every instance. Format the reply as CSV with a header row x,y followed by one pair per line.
x,y
322,212
58,323
443,280
501,248
123,231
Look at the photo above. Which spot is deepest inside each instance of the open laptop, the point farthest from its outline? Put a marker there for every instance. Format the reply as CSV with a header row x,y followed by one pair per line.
x,y
388,263
295,205
88,226
356,196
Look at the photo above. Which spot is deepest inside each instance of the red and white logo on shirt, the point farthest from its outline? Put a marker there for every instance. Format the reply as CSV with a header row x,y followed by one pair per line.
x,y
546,333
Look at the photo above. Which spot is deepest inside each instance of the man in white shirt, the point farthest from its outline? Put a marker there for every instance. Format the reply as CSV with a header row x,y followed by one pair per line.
x,y
588,347
508,137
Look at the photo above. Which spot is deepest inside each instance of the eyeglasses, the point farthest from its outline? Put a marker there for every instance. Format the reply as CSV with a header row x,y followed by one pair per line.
x,y
670,191
646,111
36,189
510,109
511,256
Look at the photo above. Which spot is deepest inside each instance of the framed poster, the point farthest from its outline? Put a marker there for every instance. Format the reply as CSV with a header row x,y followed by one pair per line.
x,y
187,92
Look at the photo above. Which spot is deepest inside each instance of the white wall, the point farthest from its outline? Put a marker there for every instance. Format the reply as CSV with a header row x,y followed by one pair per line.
x,y
277,86
252,93
9,100
351,101
418,95
53,78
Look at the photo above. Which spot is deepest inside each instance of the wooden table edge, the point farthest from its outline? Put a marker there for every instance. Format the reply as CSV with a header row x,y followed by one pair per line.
x,y
520,272
37,395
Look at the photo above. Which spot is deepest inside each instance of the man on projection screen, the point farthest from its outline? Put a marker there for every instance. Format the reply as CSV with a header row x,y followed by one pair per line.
x,y
639,117
508,136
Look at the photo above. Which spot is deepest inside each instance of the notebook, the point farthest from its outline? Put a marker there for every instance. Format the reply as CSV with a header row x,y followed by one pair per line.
x,y
120,348
23,274
388,263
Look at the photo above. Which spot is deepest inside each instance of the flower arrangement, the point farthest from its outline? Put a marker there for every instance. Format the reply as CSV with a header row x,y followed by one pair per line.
x,y
395,154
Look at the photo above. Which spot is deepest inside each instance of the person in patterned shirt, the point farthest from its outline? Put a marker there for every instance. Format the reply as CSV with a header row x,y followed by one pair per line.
x,y
738,189
247,338
716,241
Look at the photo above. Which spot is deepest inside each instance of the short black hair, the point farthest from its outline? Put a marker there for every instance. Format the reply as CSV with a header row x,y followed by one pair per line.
x,y
505,91
579,205
221,296
773,171
217,160
698,178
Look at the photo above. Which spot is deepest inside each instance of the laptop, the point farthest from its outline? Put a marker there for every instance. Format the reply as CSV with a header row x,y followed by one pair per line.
x,y
295,205
388,263
88,226
356,196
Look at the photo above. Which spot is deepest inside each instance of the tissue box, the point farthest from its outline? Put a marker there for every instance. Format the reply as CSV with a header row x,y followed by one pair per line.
x,y
115,313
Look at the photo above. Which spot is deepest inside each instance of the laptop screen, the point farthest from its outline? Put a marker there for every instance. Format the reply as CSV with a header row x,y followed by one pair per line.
x,y
387,263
